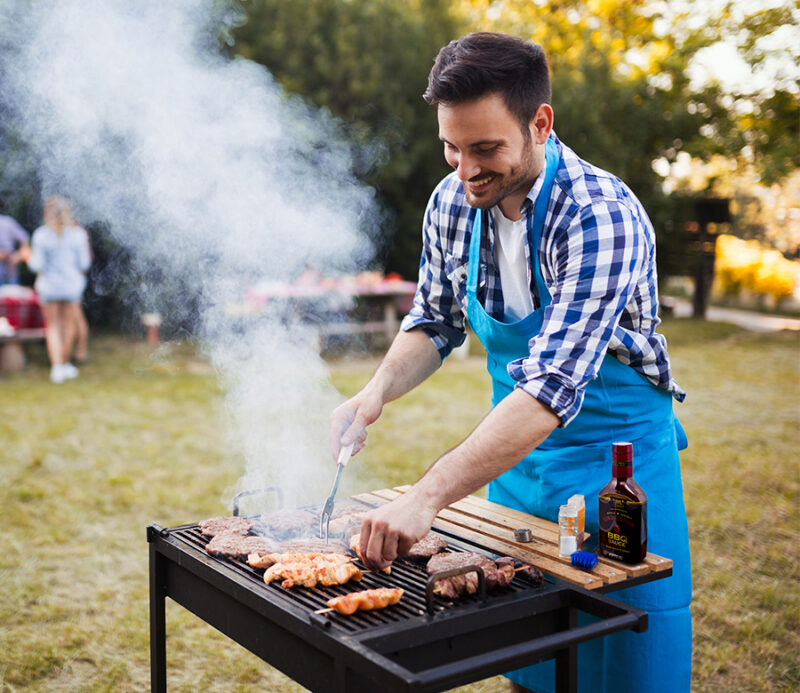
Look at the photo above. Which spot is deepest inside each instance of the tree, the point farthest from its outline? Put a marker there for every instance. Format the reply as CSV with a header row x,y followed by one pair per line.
x,y
367,62
624,99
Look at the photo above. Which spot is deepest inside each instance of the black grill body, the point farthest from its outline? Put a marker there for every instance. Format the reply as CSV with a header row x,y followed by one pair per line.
x,y
401,648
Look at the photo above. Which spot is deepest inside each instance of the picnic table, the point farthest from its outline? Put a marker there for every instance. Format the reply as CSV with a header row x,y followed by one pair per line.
x,y
383,299
21,321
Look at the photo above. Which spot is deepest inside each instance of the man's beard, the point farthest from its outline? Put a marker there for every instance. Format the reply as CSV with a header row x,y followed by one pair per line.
x,y
518,178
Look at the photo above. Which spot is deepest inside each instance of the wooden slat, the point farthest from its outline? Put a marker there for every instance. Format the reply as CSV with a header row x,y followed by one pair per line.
x,y
651,562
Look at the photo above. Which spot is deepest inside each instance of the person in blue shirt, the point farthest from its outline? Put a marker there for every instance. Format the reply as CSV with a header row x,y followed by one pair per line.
x,y
14,247
61,257
551,262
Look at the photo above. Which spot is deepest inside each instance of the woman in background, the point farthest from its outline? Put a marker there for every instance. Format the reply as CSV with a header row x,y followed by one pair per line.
x,y
82,325
60,256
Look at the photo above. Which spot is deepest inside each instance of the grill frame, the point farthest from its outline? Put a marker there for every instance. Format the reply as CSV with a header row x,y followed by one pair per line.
x,y
456,645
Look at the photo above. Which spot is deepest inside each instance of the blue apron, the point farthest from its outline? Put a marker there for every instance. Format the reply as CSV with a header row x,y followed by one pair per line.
x,y
620,404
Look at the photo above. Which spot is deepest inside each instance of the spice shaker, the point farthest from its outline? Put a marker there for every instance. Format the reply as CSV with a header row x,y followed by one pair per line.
x,y
567,530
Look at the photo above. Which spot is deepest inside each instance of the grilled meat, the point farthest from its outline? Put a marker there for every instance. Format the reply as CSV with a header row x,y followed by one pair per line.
x,y
355,547
428,546
287,522
313,546
332,569
236,546
266,560
366,600
531,574
496,575
346,524
218,525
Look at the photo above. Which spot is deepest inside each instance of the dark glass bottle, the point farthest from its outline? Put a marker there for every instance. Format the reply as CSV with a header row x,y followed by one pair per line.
x,y
623,510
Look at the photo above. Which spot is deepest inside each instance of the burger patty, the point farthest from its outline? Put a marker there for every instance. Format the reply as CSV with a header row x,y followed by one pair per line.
x,y
430,545
236,546
218,525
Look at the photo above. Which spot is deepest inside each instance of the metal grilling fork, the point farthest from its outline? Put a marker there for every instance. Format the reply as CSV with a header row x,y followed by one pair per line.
x,y
327,510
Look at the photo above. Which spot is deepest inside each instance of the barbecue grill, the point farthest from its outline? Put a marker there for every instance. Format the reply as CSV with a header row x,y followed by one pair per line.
x,y
423,643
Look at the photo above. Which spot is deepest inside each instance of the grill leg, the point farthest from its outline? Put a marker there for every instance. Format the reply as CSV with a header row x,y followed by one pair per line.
x,y
567,659
158,628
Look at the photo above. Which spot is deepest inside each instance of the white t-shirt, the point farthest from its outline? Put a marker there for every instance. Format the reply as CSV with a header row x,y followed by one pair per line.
x,y
510,238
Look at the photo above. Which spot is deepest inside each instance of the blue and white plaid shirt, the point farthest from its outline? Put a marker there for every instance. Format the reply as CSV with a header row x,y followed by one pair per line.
x,y
597,257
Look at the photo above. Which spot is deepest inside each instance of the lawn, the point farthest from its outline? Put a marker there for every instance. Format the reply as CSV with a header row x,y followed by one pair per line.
x,y
141,437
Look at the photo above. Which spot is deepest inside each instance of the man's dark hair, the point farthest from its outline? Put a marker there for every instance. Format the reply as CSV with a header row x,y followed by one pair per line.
x,y
484,63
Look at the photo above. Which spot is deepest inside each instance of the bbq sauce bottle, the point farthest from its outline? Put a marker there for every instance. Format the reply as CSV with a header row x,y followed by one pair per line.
x,y
623,510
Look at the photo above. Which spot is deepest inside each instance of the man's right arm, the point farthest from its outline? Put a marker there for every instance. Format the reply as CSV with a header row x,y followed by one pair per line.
x,y
410,360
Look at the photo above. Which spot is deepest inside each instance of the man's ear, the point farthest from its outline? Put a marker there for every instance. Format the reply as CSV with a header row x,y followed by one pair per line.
x,y
542,123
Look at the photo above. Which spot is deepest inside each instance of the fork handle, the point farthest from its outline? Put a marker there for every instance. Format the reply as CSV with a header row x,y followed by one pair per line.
x,y
345,454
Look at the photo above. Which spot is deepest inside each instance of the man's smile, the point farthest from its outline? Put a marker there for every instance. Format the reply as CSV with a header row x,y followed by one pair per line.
x,y
478,184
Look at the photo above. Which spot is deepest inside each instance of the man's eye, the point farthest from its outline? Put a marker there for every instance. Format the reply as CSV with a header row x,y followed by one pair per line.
x,y
487,150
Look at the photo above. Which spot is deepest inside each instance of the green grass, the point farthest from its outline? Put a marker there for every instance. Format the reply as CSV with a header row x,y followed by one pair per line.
x,y
139,438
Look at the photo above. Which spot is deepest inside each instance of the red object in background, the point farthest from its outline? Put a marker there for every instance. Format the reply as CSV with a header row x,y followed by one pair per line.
x,y
21,306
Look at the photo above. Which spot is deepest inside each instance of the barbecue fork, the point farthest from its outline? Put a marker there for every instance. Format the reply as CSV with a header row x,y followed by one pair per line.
x,y
327,510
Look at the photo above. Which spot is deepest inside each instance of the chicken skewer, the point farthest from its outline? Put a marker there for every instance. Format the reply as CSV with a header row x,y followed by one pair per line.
x,y
366,600
307,572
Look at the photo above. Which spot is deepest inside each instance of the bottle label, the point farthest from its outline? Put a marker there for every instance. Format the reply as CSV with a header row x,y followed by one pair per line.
x,y
623,528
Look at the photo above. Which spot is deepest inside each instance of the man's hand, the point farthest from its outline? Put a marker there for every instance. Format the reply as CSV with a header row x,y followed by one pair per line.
x,y
349,421
391,530
411,358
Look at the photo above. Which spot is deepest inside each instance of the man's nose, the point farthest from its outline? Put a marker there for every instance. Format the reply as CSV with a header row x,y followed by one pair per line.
x,y
467,168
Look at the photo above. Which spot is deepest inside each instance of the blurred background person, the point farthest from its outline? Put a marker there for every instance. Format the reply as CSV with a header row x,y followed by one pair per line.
x,y
60,257
14,248
81,323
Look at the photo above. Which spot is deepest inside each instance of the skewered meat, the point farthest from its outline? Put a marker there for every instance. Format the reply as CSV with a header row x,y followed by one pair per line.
x,y
312,546
355,547
218,525
306,572
428,546
236,546
496,575
287,522
531,574
366,600
265,560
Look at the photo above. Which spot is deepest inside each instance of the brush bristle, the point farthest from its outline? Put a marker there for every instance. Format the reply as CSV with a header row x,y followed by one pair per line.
x,y
585,560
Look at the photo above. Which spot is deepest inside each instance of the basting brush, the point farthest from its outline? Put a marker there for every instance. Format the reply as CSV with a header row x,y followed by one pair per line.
x,y
585,560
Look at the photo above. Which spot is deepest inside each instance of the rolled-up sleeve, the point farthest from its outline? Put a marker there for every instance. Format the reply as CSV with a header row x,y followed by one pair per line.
x,y
598,259
436,309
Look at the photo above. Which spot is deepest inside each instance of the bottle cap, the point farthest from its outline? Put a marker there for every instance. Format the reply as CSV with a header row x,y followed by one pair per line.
x,y
577,500
568,510
622,452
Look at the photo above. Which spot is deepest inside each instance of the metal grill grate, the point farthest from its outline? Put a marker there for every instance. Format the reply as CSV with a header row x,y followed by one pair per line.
x,y
409,576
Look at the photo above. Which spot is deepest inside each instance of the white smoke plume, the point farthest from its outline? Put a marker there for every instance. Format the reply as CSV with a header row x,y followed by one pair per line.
x,y
213,179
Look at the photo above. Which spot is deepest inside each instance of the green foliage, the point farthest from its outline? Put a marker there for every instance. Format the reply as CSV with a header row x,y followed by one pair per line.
x,y
367,62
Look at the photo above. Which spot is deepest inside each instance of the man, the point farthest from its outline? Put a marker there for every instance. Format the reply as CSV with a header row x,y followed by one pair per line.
x,y
14,248
552,262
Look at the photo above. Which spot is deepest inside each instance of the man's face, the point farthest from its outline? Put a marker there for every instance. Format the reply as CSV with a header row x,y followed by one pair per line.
x,y
483,142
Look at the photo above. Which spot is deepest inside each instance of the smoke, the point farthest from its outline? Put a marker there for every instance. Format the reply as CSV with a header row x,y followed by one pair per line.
x,y
213,180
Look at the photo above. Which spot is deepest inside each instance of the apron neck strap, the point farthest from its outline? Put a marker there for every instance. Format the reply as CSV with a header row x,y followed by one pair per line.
x,y
535,227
